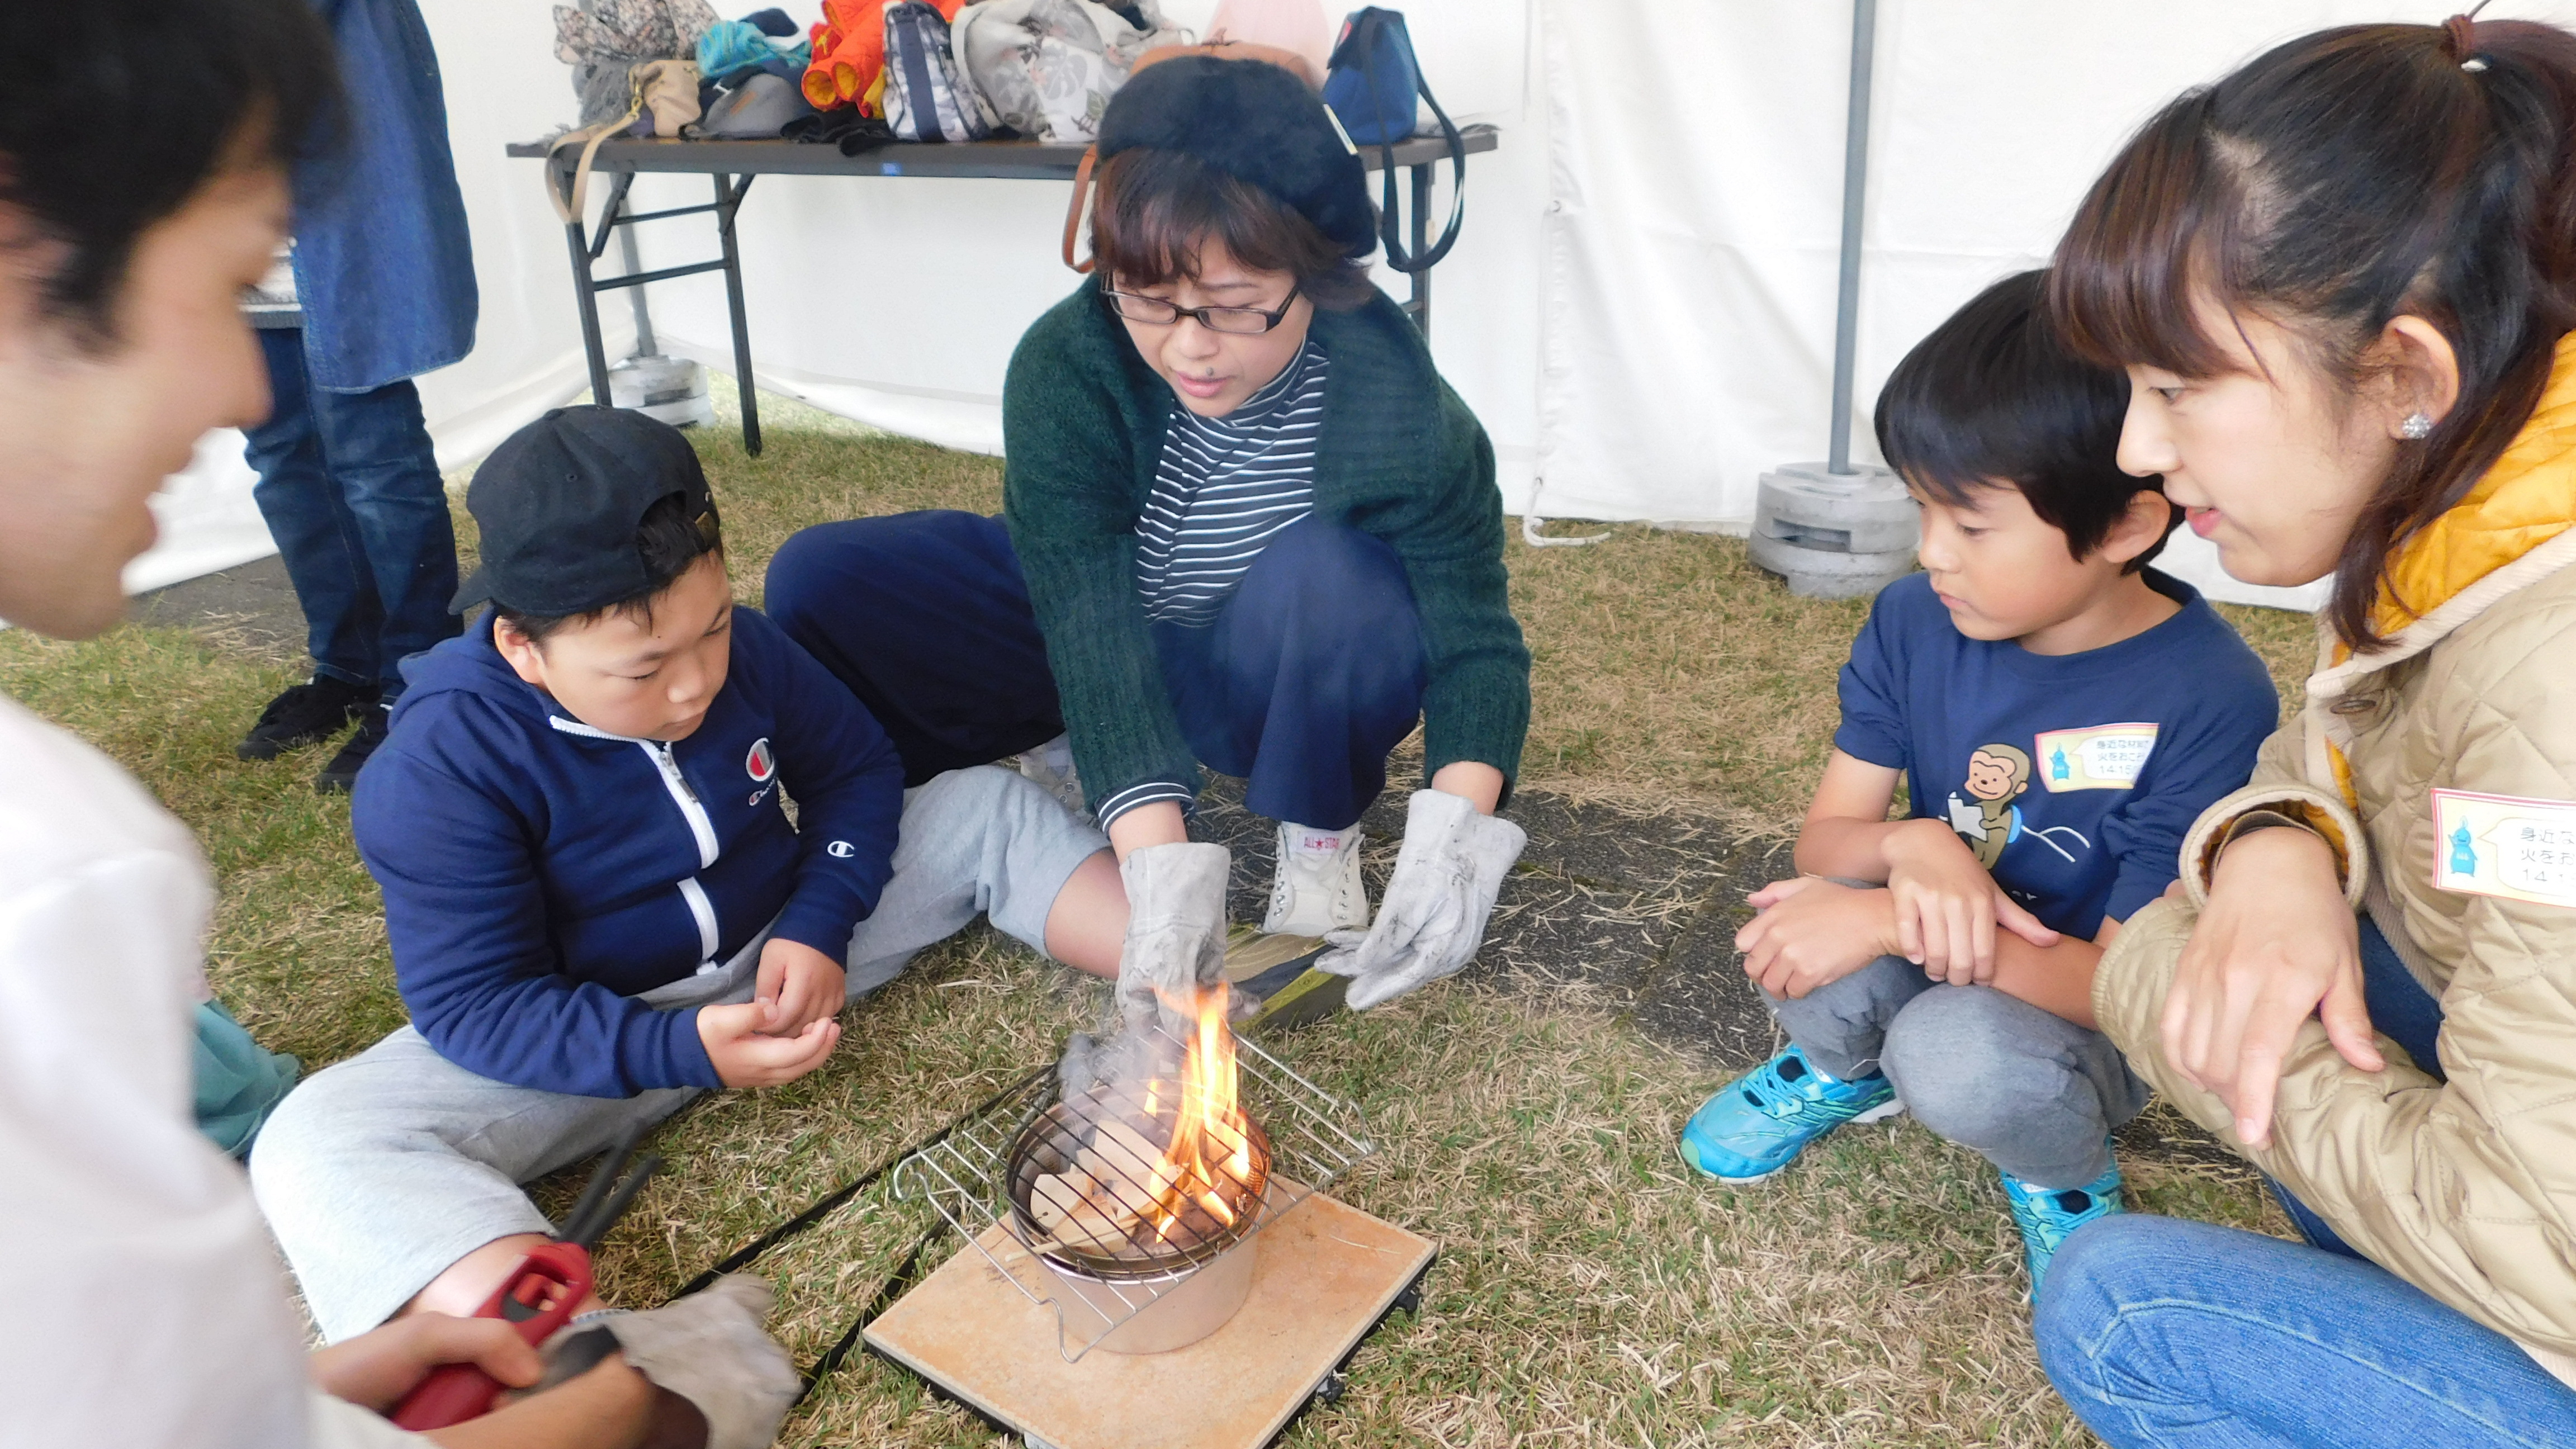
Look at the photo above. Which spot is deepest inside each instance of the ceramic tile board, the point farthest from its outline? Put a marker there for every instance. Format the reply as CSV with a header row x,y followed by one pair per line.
x,y
1326,1274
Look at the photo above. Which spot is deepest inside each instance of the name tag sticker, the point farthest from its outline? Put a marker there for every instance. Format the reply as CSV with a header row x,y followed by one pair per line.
x,y
2097,757
2505,846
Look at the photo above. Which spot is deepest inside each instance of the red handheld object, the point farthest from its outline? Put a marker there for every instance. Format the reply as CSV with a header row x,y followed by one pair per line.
x,y
537,1299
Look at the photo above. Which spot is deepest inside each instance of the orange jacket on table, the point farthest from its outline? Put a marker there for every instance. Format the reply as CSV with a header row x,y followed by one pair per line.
x,y
2442,769
849,54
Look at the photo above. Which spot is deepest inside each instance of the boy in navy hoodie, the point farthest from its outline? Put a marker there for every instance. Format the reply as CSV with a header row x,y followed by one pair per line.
x,y
598,907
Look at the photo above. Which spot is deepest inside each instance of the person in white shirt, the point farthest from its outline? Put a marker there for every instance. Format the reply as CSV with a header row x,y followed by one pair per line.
x,y
142,187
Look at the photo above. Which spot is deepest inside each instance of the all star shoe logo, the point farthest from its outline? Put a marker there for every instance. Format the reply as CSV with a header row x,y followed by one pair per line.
x,y
760,763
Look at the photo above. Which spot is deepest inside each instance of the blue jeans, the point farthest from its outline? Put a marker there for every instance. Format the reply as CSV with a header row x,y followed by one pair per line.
x,y
352,495
1312,672
2165,1334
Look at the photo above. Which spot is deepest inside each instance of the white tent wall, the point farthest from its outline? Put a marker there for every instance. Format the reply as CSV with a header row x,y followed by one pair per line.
x,y
503,84
1693,230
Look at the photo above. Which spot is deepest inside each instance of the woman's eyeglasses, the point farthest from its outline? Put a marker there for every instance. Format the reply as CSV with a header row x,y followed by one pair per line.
x,y
1240,321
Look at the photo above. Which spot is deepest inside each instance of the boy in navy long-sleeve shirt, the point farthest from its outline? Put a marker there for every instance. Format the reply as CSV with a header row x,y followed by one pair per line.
x,y
2058,714
597,903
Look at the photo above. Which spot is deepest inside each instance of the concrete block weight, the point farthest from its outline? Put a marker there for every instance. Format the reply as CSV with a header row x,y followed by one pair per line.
x,y
673,389
1834,536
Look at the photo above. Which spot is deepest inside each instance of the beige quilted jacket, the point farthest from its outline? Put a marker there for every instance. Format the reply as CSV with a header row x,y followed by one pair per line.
x,y
2443,770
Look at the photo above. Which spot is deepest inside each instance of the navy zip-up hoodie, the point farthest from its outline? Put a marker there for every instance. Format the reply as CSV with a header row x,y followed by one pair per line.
x,y
539,874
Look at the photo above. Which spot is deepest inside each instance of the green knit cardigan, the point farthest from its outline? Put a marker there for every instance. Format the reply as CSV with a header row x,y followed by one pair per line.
x,y
1400,458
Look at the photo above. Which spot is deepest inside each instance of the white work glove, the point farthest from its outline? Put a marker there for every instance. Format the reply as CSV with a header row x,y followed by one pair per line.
x,y
1175,931
1447,874
709,1348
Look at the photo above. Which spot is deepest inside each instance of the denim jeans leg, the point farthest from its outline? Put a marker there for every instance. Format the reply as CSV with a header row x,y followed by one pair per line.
x,y
1842,1025
2163,1334
379,456
315,535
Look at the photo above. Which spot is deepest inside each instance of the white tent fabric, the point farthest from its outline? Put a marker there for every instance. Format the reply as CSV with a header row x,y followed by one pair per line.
x,y
1694,215
1640,307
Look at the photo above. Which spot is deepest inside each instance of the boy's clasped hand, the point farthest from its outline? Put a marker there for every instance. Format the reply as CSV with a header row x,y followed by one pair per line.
x,y
1947,906
787,1029
1939,910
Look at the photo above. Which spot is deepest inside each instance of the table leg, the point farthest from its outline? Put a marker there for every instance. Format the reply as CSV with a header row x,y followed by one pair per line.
x,y
586,301
1421,176
645,346
728,201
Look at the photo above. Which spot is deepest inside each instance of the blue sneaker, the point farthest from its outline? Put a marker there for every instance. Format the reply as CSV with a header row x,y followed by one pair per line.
x,y
1759,1122
2047,1216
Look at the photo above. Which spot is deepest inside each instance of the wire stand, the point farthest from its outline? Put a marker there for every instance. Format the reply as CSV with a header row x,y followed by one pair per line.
x,y
968,1177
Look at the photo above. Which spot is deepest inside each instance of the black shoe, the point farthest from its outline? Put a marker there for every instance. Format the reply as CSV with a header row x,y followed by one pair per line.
x,y
307,714
342,773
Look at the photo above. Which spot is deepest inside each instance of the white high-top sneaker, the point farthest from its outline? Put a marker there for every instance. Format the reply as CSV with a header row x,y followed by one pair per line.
x,y
1318,888
1051,765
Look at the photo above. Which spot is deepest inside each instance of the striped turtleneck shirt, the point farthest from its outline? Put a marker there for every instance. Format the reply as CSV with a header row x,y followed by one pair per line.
x,y
1223,488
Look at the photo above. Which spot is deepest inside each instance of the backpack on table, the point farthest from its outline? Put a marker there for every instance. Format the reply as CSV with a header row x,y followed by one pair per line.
x,y
923,100
1046,68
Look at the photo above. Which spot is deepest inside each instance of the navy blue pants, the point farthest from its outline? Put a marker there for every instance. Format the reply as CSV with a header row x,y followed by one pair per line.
x,y
352,495
1312,672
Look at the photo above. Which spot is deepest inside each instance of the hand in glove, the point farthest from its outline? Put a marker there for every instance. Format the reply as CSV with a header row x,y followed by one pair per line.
x,y
1447,874
1175,931
709,1348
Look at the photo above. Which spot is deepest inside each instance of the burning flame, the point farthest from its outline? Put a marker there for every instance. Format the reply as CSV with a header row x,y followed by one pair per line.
x,y
1211,1143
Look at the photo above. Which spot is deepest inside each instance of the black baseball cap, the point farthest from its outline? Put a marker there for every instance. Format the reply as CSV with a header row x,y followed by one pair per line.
x,y
558,504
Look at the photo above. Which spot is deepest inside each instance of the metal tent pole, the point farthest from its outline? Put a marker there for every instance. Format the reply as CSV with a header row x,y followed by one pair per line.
x,y
1833,529
1855,187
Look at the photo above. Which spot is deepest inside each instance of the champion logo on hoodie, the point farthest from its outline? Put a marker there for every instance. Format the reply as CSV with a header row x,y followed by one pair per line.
x,y
760,764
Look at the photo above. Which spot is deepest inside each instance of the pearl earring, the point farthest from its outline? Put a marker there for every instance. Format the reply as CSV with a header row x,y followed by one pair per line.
x,y
2417,427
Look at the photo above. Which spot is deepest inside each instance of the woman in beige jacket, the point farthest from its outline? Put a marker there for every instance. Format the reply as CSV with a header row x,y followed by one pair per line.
x,y
2343,280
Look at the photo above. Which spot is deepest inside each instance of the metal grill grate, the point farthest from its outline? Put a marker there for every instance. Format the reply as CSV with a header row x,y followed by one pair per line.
x,y
987,1170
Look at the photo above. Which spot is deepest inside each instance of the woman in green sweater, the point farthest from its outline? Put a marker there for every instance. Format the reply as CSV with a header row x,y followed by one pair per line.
x,y
1246,524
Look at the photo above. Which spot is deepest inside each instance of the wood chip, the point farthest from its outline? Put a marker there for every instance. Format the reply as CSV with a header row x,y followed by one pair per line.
x,y
1124,1150
1066,1211
1130,1168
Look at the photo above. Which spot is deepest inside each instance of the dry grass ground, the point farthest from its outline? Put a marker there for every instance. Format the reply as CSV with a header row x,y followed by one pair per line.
x,y
1589,1291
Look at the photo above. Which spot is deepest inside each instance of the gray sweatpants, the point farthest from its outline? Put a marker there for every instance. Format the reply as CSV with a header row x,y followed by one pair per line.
x,y
380,1172
2034,1092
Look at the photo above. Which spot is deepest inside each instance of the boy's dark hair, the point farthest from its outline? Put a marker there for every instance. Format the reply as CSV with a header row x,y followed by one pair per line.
x,y
2330,184
668,542
1994,396
117,111
1156,208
